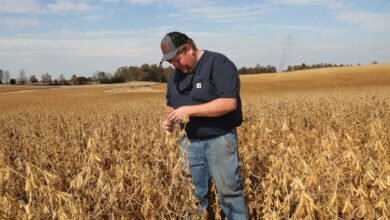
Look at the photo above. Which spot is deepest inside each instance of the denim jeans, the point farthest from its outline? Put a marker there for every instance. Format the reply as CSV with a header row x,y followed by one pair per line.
x,y
217,159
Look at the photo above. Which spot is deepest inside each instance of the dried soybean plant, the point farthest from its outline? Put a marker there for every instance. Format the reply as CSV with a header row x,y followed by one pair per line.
x,y
306,155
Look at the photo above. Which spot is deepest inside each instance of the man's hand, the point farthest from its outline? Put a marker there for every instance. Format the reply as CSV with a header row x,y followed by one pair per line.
x,y
215,108
167,126
178,115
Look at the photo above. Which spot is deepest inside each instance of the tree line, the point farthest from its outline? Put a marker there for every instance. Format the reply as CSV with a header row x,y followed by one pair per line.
x,y
257,69
303,66
158,73
145,72
22,78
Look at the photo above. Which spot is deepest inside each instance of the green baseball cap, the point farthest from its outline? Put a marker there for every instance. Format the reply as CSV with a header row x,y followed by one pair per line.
x,y
171,43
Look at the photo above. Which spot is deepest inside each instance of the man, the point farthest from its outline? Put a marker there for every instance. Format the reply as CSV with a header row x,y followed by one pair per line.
x,y
205,87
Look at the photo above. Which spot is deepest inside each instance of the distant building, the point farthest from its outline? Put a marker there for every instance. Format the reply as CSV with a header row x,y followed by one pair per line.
x,y
81,80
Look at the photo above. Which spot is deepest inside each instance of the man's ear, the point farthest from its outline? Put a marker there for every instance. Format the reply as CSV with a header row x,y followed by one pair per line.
x,y
188,49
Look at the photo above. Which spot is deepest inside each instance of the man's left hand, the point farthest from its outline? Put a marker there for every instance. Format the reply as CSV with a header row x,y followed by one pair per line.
x,y
179,114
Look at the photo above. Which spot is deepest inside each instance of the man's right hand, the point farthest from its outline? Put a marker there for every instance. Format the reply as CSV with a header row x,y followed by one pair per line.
x,y
168,126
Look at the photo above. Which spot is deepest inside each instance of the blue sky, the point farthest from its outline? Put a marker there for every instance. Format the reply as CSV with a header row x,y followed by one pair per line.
x,y
81,37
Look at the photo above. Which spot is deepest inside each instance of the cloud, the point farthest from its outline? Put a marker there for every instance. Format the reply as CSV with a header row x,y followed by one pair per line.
x,y
34,7
100,43
297,2
257,27
248,33
132,2
367,20
18,22
201,9
334,5
104,34
20,7
110,1
148,2
140,2
70,6
85,43
224,13
101,47
93,17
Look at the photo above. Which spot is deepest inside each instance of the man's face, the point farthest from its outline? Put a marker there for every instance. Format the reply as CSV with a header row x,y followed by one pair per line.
x,y
186,61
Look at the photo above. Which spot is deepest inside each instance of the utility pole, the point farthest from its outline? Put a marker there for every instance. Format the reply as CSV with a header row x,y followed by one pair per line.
x,y
287,51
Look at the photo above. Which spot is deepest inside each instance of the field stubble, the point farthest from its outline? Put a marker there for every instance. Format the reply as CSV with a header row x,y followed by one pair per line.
x,y
306,155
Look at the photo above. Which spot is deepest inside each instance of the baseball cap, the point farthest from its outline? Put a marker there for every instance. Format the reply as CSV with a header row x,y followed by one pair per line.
x,y
171,43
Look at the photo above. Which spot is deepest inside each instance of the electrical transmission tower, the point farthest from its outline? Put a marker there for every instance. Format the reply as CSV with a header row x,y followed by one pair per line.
x,y
287,58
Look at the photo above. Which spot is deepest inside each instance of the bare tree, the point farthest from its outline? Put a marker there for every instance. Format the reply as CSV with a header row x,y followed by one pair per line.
x,y
6,76
1,76
61,79
22,79
33,79
46,78
74,79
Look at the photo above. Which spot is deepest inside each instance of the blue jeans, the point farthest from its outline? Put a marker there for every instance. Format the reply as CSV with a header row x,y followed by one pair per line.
x,y
217,158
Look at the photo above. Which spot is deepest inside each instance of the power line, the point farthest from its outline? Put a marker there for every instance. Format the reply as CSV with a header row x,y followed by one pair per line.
x,y
354,12
315,20
325,27
360,23
329,22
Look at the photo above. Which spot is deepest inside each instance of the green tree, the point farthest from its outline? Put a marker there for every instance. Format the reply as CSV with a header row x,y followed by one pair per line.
x,y
101,76
166,72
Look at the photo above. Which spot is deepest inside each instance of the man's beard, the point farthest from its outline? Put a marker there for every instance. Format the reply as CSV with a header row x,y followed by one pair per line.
x,y
189,68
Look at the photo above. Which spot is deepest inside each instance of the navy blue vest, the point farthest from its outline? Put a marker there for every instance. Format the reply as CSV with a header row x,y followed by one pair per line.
x,y
215,77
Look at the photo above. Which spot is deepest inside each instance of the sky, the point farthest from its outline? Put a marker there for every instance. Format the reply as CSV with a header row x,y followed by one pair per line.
x,y
84,36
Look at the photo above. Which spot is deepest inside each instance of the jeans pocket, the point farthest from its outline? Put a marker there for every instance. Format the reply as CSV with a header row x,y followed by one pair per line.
x,y
229,141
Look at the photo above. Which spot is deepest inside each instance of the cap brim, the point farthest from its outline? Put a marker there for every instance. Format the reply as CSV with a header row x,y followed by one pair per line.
x,y
169,55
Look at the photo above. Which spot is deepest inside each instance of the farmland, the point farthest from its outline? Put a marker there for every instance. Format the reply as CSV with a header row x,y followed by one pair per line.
x,y
314,144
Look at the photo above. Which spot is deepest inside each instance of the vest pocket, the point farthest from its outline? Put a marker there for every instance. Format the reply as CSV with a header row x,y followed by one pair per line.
x,y
203,92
